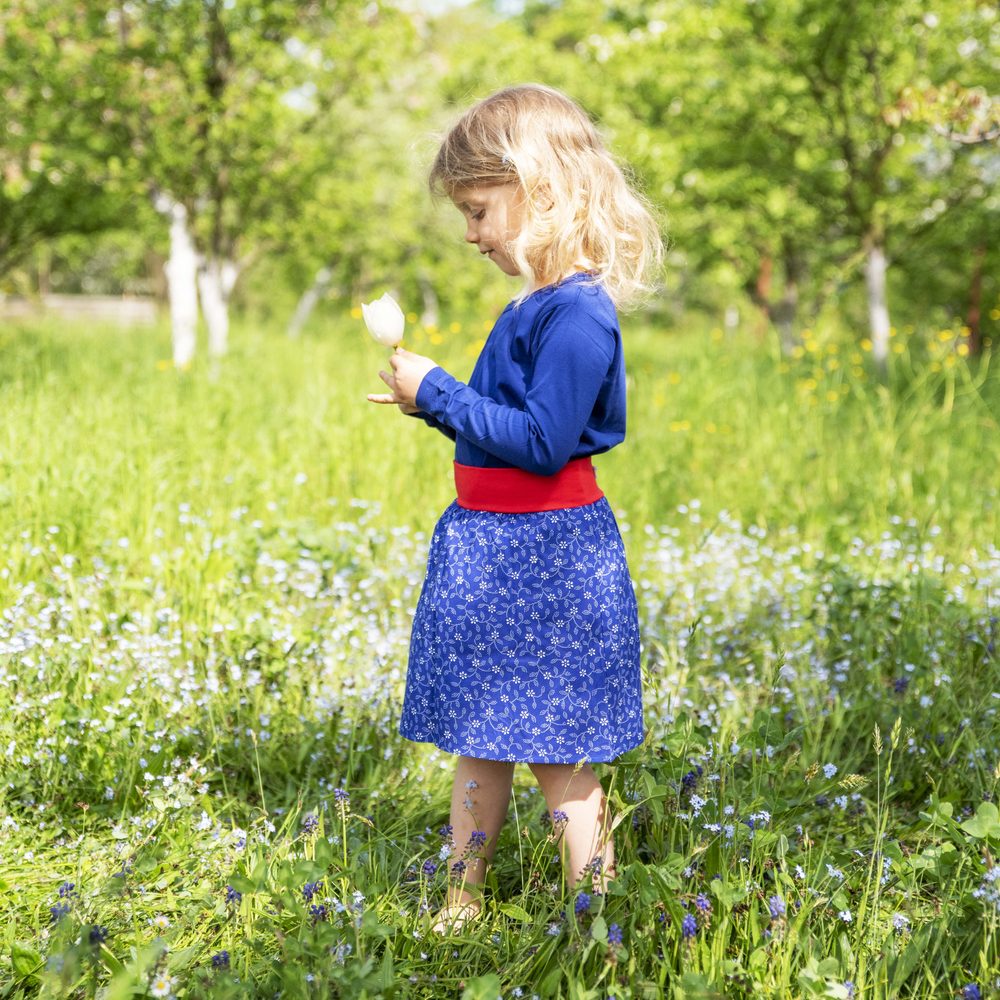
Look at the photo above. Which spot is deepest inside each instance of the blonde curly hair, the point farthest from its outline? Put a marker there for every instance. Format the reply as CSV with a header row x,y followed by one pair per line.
x,y
581,211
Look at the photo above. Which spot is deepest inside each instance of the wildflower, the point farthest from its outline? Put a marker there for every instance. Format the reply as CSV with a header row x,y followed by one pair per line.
x,y
445,832
989,889
900,684
971,992
429,868
98,934
59,911
829,770
900,923
318,912
849,986
67,889
558,816
233,896
310,823
614,934
458,869
582,903
845,915
220,960
776,907
690,780
553,930
834,872
309,890
471,785
477,841
702,902
162,985
596,865
689,926
160,922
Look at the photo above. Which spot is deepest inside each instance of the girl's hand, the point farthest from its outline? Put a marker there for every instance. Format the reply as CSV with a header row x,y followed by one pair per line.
x,y
408,371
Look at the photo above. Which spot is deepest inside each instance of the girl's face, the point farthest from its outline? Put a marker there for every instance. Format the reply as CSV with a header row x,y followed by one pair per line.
x,y
493,216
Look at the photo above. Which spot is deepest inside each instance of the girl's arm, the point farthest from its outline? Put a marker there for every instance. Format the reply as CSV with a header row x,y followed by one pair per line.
x,y
573,352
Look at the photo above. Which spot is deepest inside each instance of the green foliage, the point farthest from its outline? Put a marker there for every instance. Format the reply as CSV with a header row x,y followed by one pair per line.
x,y
205,597
61,158
777,141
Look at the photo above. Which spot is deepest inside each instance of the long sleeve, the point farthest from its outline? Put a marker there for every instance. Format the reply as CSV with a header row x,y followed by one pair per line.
x,y
572,351
448,432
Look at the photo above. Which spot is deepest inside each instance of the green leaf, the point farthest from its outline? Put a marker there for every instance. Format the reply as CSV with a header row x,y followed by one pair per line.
x,y
599,930
242,884
551,982
515,912
385,977
728,895
986,822
482,988
25,959
696,987
904,964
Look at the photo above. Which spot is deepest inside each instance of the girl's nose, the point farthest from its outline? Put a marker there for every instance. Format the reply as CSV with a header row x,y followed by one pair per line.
x,y
471,235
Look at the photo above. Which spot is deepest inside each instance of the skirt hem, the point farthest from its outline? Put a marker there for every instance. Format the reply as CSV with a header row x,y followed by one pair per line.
x,y
550,759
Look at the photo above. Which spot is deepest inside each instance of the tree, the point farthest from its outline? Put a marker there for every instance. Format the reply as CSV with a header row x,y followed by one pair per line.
x,y
61,167
768,128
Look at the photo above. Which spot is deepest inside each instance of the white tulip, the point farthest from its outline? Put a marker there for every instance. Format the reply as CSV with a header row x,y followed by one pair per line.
x,y
384,320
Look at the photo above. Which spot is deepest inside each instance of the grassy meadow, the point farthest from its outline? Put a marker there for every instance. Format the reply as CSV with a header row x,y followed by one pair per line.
x,y
207,580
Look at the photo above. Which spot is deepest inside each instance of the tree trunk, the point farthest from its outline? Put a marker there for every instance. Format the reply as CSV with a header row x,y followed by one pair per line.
x,y
309,300
181,269
431,315
216,278
974,316
762,294
878,308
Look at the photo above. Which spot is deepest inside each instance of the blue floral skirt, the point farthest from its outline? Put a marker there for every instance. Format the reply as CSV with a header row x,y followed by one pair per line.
x,y
525,642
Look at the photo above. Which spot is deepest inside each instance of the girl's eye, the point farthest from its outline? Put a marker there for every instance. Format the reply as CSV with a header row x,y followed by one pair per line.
x,y
480,215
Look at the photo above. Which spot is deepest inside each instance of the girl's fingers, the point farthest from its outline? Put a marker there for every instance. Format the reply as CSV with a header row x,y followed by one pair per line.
x,y
381,397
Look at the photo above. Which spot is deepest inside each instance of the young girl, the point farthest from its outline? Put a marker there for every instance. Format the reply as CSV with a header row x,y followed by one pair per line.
x,y
525,642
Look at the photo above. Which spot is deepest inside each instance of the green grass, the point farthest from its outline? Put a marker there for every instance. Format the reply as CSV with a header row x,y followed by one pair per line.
x,y
205,591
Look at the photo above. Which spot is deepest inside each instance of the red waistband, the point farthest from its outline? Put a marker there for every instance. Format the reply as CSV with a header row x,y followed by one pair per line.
x,y
514,491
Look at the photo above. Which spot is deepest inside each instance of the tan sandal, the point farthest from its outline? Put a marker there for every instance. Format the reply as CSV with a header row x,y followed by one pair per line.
x,y
451,919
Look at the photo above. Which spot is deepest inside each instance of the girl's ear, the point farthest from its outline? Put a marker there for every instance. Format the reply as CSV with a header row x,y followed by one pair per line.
x,y
543,197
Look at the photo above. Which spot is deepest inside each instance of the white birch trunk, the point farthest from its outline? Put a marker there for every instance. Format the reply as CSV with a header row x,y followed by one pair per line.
x,y
878,307
181,270
308,301
431,315
216,278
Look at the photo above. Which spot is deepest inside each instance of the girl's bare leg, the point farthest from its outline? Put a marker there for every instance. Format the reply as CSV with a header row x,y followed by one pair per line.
x,y
576,791
479,800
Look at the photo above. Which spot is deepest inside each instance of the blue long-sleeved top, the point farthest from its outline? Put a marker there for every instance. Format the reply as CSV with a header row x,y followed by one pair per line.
x,y
549,384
